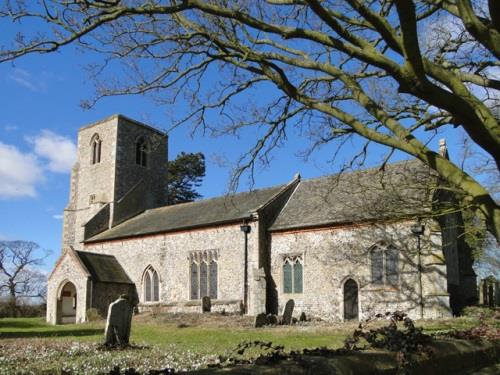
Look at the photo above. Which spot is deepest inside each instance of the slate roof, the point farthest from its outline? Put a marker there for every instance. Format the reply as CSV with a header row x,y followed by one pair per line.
x,y
103,268
196,214
401,190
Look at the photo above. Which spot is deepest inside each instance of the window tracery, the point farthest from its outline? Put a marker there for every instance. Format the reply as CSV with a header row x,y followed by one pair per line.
x,y
384,265
203,274
151,285
293,274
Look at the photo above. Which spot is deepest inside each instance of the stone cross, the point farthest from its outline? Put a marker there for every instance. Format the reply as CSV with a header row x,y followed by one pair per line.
x,y
119,321
206,304
288,311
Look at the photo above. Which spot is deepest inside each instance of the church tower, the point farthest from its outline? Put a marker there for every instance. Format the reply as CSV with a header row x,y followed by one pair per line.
x,y
121,170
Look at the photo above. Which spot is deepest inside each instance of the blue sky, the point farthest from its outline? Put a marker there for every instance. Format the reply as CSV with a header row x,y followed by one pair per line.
x,y
40,116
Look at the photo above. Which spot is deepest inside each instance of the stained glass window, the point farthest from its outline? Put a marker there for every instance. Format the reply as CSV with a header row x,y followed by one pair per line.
x,y
391,266
203,280
147,287
297,277
151,284
287,278
194,281
385,265
213,279
377,265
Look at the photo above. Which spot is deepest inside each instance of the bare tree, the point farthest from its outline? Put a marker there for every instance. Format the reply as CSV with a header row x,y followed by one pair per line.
x,y
19,276
393,72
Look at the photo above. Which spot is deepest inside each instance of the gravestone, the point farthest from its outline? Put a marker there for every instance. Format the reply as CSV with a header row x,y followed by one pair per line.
x,y
119,321
287,312
258,292
303,317
206,304
272,319
260,320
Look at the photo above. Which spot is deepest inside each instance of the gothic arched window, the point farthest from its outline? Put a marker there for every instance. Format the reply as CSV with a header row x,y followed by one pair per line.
x,y
151,285
293,274
203,271
384,265
95,146
141,152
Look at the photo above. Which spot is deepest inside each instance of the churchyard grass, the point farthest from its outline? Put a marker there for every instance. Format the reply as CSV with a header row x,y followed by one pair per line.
x,y
29,345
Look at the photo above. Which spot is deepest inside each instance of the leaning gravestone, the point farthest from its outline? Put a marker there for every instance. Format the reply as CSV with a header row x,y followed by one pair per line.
x,y
287,312
119,321
206,304
260,320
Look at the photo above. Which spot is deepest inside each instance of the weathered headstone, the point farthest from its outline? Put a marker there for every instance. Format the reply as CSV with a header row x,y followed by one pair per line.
x,y
258,292
272,319
288,311
302,317
206,304
119,321
260,320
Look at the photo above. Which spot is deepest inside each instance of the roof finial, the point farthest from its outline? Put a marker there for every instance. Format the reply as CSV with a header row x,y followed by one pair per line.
x,y
443,150
297,176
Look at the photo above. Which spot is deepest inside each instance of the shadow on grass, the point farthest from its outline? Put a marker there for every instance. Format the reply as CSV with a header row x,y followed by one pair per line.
x,y
78,332
20,324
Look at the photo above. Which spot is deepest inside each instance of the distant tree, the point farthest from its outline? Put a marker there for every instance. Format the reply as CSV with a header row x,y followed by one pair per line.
x,y
19,276
185,174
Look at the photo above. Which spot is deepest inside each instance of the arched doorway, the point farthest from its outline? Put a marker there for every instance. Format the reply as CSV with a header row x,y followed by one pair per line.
x,y
351,300
67,303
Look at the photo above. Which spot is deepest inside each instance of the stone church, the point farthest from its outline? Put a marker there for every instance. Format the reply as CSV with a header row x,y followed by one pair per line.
x,y
342,247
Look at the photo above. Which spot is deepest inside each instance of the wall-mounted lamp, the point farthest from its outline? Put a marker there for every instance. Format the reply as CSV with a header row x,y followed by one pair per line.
x,y
245,228
418,229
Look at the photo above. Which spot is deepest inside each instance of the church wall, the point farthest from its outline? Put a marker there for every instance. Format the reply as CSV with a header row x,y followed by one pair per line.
x,y
333,255
169,255
67,270
103,294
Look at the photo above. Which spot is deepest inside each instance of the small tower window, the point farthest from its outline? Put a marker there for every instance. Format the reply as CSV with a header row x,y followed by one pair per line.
x,y
141,152
96,144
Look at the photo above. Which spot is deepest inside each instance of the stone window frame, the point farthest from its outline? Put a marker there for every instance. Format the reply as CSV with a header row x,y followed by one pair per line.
x,y
150,271
292,258
142,154
197,257
95,149
383,247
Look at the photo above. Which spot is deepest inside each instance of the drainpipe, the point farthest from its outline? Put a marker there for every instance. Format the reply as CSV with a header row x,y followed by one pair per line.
x,y
418,229
245,228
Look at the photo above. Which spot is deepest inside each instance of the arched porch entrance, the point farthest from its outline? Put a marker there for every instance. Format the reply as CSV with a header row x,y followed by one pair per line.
x,y
66,304
351,300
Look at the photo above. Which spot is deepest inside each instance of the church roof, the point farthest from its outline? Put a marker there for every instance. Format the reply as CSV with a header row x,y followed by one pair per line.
x,y
196,214
103,268
401,190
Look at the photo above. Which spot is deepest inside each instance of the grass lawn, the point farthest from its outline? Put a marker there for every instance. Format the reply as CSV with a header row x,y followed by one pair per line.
x,y
29,345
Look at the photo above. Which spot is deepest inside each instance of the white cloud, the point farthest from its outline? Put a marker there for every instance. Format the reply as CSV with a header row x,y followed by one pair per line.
x,y
59,151
58,217
25,79
10,128
19,173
